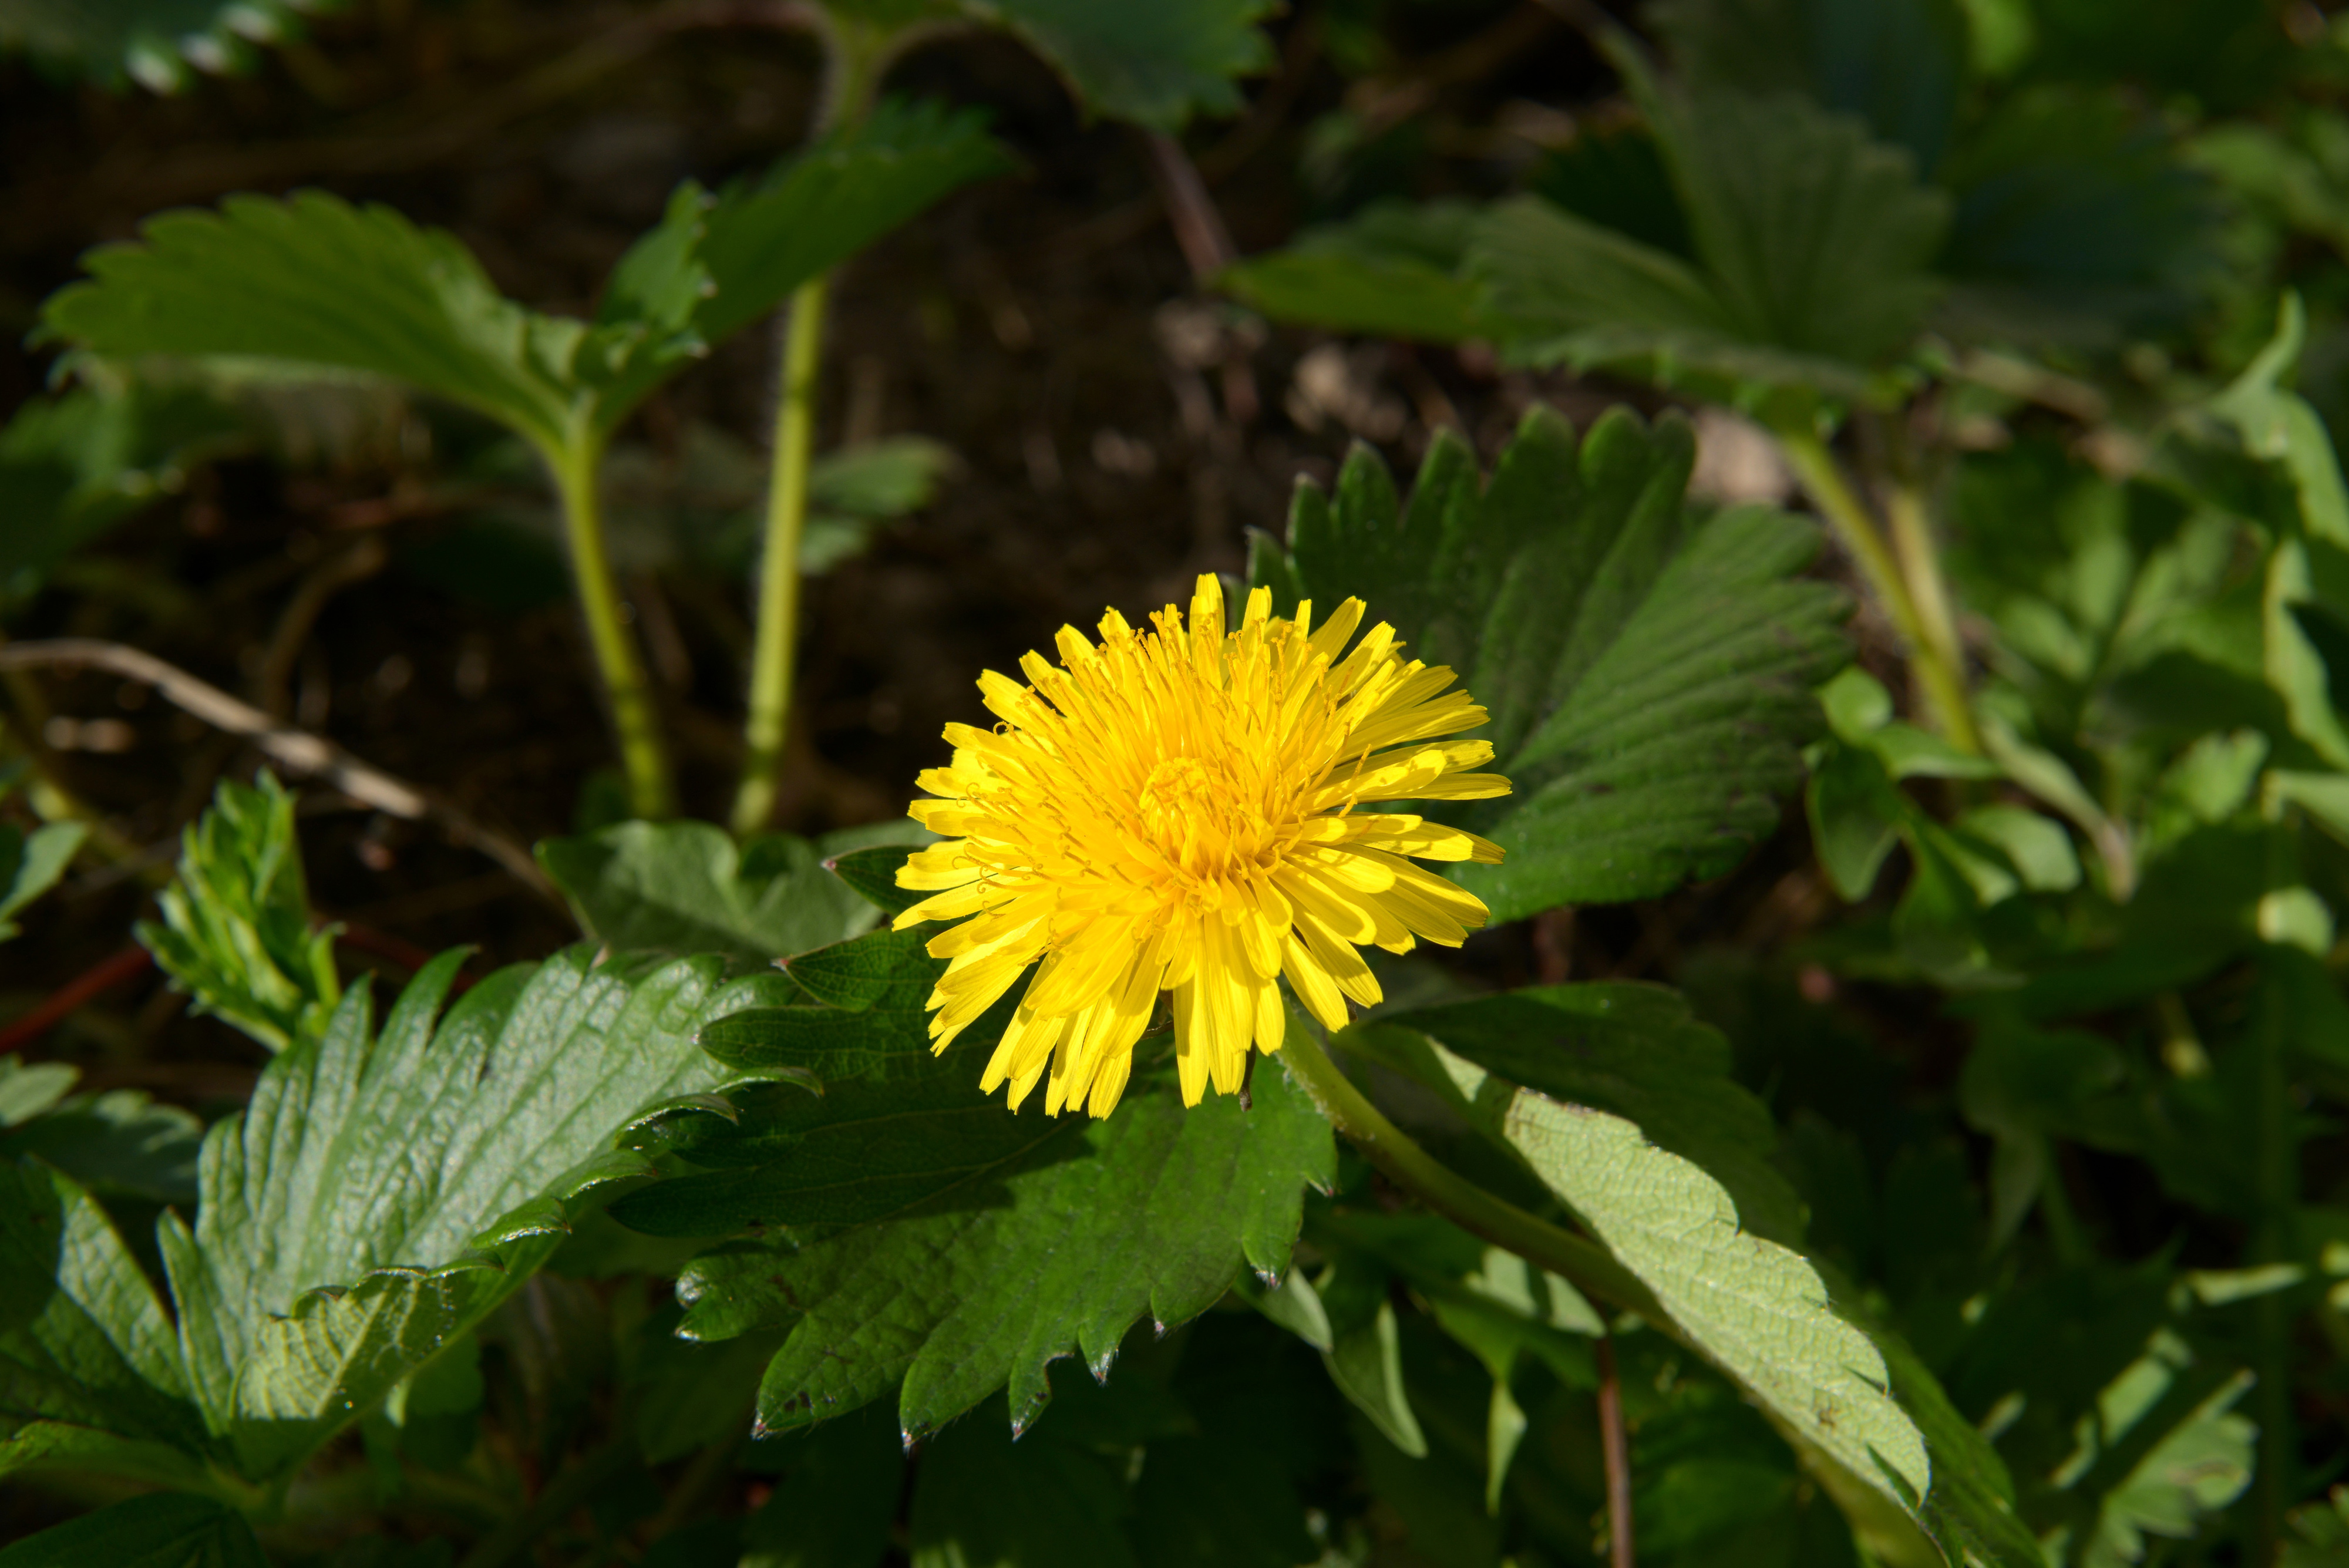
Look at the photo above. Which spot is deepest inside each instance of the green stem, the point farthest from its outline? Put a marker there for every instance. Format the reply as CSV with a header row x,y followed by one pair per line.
x,y
1937,665
564,1495
643,756
1584,1263
779,570
1920,569
855,53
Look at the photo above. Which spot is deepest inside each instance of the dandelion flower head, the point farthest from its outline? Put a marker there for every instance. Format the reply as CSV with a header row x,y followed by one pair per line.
x,y
1180,810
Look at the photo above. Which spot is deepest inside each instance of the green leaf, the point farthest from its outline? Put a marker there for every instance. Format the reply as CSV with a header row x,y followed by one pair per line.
x,y
161,1530
1364,1358
2037,847
889,1127
1153,62
89,1362
160,44
31,864
1634,1051
237,921
1813,250
1816,239
2189,1462
686,888
122,1143
26,1092
1648,668
1900,64
1392,270
382,1192
763,238
2281,426
873,874
1855,817
1757,1309
1052,1252
314,282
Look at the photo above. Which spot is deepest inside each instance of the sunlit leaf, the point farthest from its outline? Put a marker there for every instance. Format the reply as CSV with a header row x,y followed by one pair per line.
x,y
1649,668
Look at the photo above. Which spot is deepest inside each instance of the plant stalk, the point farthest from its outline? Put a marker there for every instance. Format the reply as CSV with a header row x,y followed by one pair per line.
x,y
643,758
855,52
1939,669
1582,1262
773,654
1616,1444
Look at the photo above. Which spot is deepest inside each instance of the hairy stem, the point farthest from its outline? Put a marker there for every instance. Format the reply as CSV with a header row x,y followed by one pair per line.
x,y
771,657
1938,669
643,758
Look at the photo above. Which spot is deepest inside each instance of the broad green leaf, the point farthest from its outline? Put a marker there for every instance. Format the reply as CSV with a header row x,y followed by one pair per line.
x,y
30,865
1647,667
1634,1051
1052,1252
1757,1309
314,282
26,1092
235,931
1814,238
1365,1355
1392,271
687,888
161,1530
1900,64
122,1143
86,1349
1813,250
384,1191
1855,817
1153,62
160,44
875,1125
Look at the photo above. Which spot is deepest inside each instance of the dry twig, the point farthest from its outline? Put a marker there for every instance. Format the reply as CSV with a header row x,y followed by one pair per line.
x,y
298,750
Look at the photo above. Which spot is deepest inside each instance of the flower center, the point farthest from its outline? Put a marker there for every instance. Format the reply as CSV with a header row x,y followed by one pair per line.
x,y
1177,800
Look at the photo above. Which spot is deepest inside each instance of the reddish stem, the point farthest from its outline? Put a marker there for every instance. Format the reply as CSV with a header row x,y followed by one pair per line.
x,y
127,964
1616,1445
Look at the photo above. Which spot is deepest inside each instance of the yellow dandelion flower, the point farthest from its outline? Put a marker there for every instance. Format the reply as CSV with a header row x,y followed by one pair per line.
x,y
1175,810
